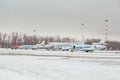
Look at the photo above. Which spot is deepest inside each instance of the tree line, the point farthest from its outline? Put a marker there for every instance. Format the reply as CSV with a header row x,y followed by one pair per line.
x,y
16,38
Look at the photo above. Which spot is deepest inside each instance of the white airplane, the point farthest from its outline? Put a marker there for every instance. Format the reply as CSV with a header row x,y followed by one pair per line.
x,y
32,46
100,46
67,46
44,46
62,46
90,48
27,47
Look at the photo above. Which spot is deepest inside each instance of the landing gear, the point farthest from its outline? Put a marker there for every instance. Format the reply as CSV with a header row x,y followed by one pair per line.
x,y
89,51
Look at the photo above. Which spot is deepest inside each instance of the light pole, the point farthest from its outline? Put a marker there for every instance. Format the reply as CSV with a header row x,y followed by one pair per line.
x,y
34,37
82,28
106,30
34,30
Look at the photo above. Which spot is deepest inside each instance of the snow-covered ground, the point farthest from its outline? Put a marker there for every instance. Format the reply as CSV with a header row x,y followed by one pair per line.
x,y
87,66
59,53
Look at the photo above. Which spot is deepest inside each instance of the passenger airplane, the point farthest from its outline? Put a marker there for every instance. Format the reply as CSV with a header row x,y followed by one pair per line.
x,y
90,48
43,46
63,46
60,46
67,46
32,46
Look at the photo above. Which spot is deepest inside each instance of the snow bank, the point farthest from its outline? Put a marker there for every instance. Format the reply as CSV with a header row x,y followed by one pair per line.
x,y
78,54
57,68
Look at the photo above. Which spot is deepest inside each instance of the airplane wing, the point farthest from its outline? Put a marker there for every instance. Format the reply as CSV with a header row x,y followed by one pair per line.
x,y
88,49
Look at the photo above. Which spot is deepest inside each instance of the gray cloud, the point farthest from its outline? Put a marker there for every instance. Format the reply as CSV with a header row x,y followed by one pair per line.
x,y
61,17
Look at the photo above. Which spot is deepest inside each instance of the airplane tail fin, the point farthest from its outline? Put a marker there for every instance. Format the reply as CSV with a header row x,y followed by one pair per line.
x,y
43,43
81,42
102,41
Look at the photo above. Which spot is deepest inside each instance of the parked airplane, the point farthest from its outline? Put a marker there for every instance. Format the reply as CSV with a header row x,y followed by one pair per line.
x,y
90,48
43,46
37,46
63,46
59,46
100,46
67,46
28,47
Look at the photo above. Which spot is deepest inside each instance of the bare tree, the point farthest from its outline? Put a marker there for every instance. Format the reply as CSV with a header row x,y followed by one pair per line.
x,y
0,39
4,40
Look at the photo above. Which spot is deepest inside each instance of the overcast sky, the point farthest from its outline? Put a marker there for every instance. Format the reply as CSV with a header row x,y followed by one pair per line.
x,y
61,17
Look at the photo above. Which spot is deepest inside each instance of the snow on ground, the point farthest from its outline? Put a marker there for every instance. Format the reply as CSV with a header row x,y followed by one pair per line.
x,y
105,67
59,53
52,68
